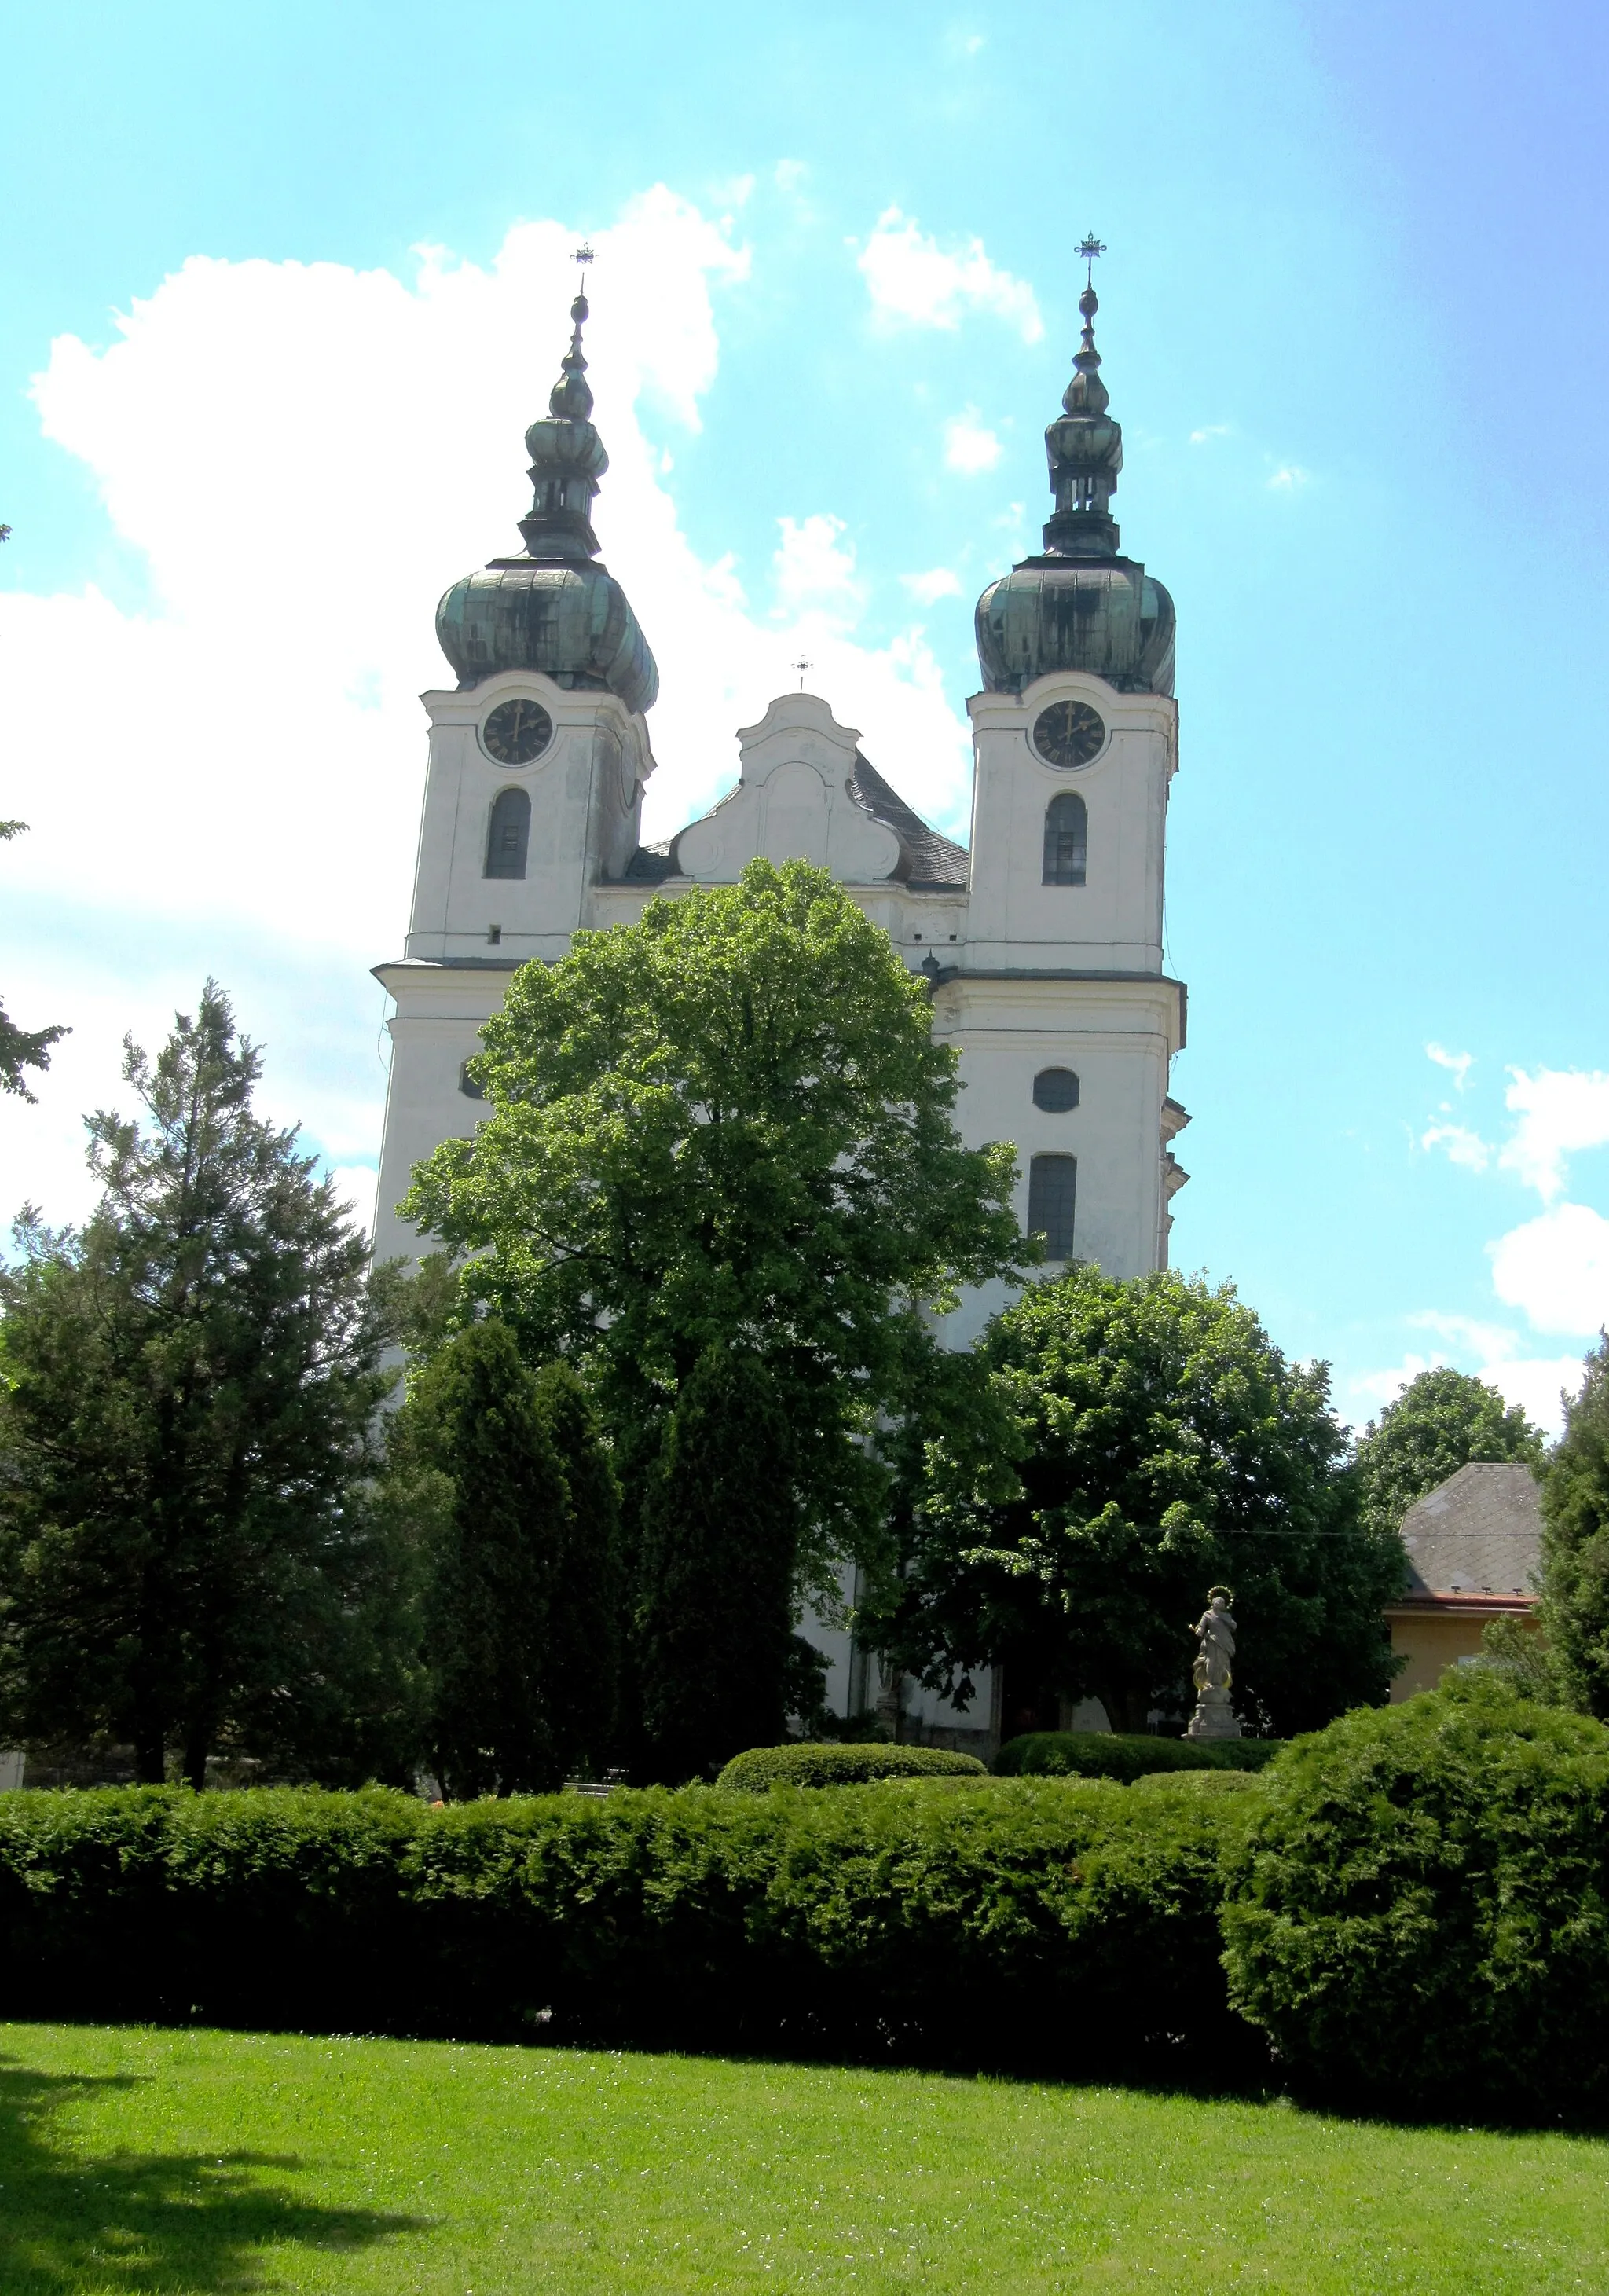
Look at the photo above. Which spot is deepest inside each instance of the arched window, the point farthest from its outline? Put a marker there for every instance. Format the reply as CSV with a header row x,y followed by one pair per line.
x,y
1056,1090
1052,1185
509,834
1066,840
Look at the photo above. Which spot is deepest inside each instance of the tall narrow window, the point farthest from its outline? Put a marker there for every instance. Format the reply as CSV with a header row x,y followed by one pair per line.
x,y
509,834
1052,1185
1066,840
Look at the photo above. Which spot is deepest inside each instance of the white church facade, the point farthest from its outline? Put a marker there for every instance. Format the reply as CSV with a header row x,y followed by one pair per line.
x,y
1042,939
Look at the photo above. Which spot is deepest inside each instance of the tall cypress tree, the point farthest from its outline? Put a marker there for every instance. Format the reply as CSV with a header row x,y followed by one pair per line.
x,y
587,1594
720,1533
473,1435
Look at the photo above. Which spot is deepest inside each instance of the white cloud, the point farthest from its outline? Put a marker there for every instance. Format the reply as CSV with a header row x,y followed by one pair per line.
x,y
1290,479
1462,1145
1560,1111
355,1184
1458,1064
1209,431
969,445
938,582
306,455
912,279
1556,1269
1491,1353
815,569
790,174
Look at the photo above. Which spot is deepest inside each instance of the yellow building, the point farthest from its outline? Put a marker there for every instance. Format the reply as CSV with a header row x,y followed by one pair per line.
x,y
1473,1551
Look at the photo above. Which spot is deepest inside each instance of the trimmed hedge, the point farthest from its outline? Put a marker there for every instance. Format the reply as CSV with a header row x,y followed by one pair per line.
x,y
812,1764
1058,1924
1109,1754
1420,1915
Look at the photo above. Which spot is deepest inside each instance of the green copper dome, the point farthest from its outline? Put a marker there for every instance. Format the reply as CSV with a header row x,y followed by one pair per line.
x,y
557,608
1079,605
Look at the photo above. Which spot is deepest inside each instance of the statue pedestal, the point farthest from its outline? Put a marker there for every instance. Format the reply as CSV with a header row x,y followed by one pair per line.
x,y
1214,1717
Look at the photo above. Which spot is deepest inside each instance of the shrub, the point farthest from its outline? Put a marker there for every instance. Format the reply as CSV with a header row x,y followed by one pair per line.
x,y
1116,1754
1065,1924
1420,1913
817,1765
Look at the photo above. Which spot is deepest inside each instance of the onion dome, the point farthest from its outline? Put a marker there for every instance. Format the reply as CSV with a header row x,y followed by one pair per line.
x,y
557,608
1079,605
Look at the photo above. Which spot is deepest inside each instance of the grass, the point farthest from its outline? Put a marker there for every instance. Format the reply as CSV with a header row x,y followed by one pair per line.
x,y
134,2159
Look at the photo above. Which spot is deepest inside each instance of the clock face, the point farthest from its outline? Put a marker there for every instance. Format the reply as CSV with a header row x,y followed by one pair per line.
x,y
516,732
1068,734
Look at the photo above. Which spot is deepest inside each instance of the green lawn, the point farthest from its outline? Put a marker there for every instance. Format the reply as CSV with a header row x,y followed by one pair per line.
x,y
134,2160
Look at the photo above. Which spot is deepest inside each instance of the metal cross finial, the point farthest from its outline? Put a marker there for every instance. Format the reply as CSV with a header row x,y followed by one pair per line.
x,y
801,665
1088,250
583,256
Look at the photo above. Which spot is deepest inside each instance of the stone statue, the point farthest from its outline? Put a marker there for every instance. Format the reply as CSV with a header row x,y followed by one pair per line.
x,y
1214,1630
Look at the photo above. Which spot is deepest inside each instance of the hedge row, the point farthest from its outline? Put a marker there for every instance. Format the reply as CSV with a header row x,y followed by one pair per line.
x,y
1415,1905
1060,1924
1109,1754
809,1764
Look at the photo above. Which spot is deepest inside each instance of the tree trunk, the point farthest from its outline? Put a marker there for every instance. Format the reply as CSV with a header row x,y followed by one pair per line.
x,y
196,1741
1128,1709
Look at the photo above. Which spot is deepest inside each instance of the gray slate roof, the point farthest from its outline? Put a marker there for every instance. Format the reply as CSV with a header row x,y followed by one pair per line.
x,y
936,863
1479,1532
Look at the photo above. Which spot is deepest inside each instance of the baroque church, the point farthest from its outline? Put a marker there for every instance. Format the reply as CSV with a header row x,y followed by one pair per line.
x,y
1042,939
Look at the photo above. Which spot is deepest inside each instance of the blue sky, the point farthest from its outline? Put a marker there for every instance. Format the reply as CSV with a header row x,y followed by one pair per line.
x,y
283,286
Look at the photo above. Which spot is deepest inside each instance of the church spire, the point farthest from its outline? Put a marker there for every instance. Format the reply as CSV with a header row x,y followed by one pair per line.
x,y
557,609
1084,446
567,456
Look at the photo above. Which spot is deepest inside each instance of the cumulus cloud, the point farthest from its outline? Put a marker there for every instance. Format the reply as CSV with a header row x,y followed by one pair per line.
x,y
1560,1111
1290,479
1556,1269
1493,1353
1458,1064
306,455
1459,1143
970,445
1209,431
914,281
937,582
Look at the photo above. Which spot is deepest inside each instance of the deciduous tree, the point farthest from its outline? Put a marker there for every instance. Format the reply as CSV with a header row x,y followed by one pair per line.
x,y
1163,1444
1441,1421
729,1127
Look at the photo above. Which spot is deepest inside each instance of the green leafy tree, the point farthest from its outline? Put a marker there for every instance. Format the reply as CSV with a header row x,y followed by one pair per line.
x,y
471,1447
729,1125
587,1601
21,1048
187,1393
1163,1444
1575,1544
717,1568
1441,1421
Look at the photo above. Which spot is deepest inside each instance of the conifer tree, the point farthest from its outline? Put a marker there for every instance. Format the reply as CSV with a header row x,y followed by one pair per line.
x,y
586,1598
717,1571
187,1393
1575,1544
494,1498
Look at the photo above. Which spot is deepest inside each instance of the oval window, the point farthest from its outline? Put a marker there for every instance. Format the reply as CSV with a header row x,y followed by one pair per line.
x,y
1056,1090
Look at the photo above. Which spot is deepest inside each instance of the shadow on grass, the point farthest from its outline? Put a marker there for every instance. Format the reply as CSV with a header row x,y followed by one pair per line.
x,y
170,2222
